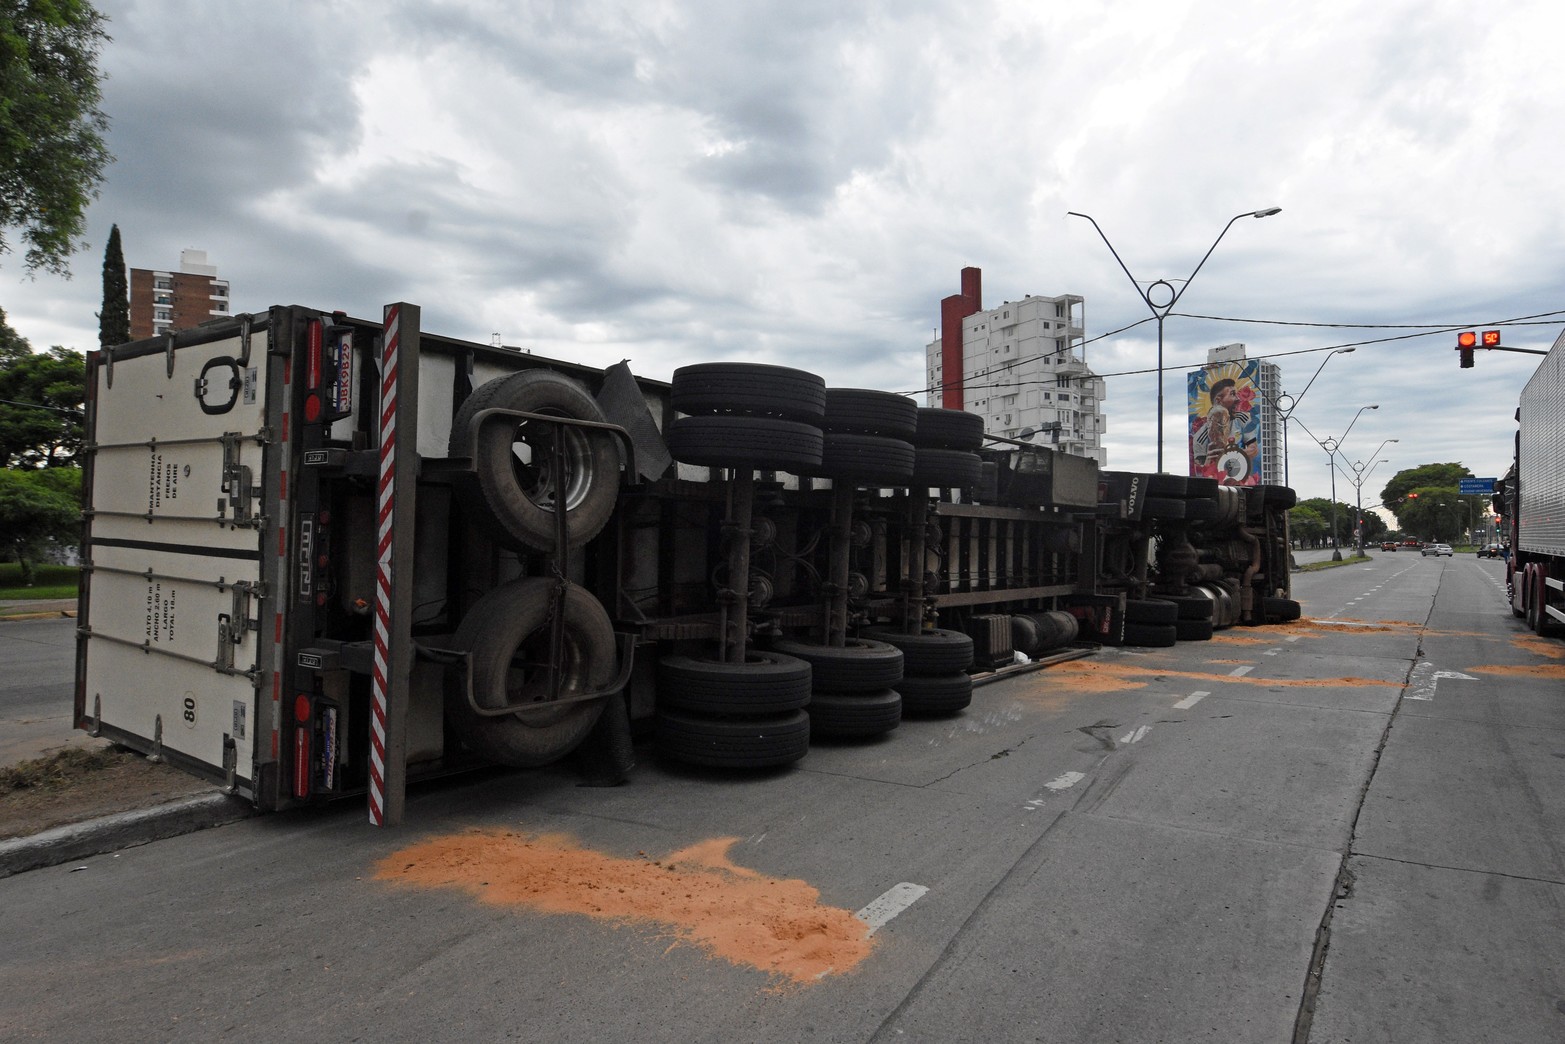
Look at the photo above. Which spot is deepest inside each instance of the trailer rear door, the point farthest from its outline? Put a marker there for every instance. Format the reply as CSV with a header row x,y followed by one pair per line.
x,y
171,654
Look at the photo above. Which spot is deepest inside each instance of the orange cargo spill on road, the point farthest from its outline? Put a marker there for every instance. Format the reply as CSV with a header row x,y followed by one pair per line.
x,y
696,895
1098,676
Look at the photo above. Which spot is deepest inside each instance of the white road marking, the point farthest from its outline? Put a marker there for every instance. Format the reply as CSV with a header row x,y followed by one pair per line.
x,y
1292,638
1421,685
1191,700
1136,735
895,899
1271,652
1240,672
1066,781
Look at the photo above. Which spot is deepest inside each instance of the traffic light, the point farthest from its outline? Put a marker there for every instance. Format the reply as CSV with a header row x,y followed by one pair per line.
x,y
1412,496
1467,340
1464,344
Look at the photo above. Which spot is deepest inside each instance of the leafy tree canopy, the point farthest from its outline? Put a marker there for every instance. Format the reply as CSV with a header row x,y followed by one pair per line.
x,y
37,509
1441,476
52,152
43,392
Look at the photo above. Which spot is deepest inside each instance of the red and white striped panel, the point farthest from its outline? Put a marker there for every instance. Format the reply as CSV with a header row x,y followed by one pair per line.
x,y
390,344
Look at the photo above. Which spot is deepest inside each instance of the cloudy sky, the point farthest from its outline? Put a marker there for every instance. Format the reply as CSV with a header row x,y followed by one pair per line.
x,y
675,181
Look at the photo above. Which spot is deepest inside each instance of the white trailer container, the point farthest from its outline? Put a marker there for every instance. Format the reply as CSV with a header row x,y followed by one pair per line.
x,y
1531,498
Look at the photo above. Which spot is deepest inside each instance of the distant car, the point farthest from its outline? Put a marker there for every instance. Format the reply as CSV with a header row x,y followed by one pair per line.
x,y
1489,551
1436,549
1388,545
1409,543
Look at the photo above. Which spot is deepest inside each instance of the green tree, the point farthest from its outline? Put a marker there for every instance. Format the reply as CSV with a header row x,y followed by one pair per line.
x,y
114,320
1441,476
38,510
41,398
52,152
1306,525
1322,508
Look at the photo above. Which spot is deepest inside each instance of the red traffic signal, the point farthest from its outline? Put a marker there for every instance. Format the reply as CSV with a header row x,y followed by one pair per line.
x,y
1465,342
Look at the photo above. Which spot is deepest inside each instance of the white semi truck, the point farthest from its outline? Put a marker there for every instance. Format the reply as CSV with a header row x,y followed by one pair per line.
x,y
325,555
1530,499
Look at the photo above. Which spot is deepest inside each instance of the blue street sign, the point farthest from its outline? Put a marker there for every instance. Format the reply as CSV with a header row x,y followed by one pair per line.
x,y
1474,487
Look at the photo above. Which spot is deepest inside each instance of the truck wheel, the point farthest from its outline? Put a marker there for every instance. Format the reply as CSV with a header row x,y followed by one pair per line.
x,y
948,429
1279,497
507,634
746,442
1193,630
513,461
935,694
866,459
1165,485
1150,636
1190,607
855,714
1150,611
946,468
1055,628
864,411
860,665
1280,610
733,742
758,389
765,683
1201,509
1169,508
1538,618
930,652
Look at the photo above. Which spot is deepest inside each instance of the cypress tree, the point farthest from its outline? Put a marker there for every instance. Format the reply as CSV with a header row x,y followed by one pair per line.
x,y
114,320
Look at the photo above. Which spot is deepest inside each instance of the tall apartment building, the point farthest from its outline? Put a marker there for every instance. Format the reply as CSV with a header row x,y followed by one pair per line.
x,y
1256,426
1021,366
163,301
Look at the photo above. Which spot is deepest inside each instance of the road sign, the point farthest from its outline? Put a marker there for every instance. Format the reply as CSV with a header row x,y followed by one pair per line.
x,y
1475,487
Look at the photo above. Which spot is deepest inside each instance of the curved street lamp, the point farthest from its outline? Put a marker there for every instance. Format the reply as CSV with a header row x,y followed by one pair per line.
x,y
1286,404
1360,476
1168,297
1335,444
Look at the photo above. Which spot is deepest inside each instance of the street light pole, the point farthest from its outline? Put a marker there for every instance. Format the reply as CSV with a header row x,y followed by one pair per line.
x,y
1331,464
1168,296
1360,476
1285,409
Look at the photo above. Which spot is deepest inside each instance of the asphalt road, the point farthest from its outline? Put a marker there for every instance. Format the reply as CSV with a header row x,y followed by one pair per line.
x,y
37,661
1169,845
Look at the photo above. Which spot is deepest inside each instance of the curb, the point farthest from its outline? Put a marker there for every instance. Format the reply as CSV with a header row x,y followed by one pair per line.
x,y
53,614
125,830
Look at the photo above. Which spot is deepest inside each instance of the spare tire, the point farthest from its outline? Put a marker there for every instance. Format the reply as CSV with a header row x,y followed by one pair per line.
x,y
507,633
514,487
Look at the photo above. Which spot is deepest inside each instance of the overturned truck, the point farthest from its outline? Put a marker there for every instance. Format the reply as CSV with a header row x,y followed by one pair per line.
x,y
323,556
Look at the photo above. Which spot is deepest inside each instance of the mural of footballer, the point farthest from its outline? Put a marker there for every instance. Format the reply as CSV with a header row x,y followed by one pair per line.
x,y
1223,427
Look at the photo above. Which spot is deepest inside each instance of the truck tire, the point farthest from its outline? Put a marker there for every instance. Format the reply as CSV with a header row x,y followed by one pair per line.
x,y
742,743
863,411
1201,509
1025,635
1165,485
935,695
755,389
1279,497
1169,508
860,665
1150,611
946,469
1193,630
871,460
1201,486
1190,607
948,429
1056,628
931,652
514,488
746,442
1280,610
1150,636
513,619
855,714
766,683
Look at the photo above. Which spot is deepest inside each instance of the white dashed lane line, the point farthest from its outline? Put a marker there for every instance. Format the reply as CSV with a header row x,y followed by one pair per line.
x,y
1191,700
890,903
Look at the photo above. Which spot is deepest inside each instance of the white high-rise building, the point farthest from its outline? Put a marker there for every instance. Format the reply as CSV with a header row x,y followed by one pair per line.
x,y
1021,366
